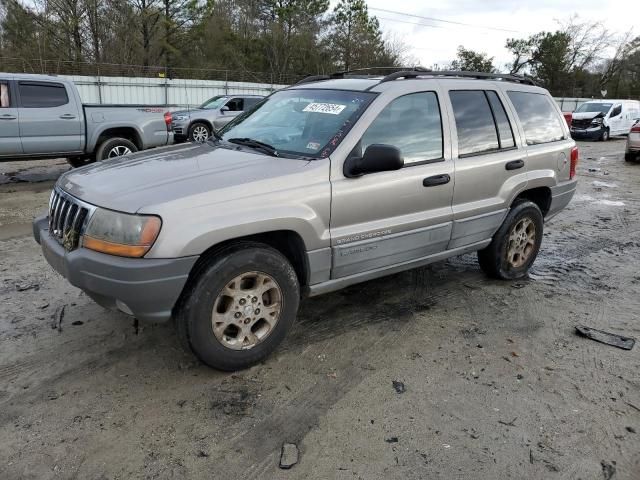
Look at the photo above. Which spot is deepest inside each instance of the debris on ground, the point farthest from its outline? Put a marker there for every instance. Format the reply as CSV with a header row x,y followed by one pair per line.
x,y
608,470
399,386
77,322
630,429
508,424
202,454
518,285
620,341
288,456
57,317
23,287
391,440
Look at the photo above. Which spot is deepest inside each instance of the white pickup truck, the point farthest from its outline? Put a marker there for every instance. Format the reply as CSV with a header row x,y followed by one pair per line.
x,y
42,116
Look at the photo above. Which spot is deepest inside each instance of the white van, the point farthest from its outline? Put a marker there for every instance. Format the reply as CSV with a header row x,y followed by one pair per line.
x,y
599,119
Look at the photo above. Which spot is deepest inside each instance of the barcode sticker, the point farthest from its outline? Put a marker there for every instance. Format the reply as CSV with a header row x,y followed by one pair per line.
x,y
330,108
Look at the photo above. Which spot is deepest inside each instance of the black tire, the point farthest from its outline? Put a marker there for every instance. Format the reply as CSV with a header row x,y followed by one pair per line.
x,y
628,157
198,127
77,162
604,136
106,148
494,259
194,313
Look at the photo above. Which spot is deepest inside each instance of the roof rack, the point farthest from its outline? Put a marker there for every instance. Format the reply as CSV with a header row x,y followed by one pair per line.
x,y
348,74
418,72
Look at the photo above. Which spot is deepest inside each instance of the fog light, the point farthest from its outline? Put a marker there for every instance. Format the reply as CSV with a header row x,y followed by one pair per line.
x,y
123,307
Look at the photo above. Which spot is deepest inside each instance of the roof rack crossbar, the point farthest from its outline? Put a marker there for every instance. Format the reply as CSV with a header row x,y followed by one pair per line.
x,y
415,73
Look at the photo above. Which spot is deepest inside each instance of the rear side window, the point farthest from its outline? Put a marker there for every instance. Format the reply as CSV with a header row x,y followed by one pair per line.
x,y
477,131
505,133
411,123
539,118
4,95
42,95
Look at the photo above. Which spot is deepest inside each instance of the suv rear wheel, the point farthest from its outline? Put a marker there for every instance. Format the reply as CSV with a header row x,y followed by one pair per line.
x,y
515,245
239,307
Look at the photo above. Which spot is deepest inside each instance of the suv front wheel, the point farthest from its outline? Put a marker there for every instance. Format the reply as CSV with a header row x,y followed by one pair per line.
x,y
239,306
515,245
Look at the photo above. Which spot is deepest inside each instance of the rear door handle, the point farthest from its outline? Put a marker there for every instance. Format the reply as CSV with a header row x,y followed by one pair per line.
x,y
514,165
67,116
436,180
6,116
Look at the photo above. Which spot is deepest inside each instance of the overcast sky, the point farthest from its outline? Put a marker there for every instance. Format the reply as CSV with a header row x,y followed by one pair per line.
x,y
429,45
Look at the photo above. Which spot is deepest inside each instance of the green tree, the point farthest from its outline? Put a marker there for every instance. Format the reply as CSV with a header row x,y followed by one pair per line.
x,y
471,61
356,38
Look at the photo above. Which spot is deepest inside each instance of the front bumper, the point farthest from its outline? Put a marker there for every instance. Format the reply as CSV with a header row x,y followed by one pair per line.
x,y
561,195
592,133
146,288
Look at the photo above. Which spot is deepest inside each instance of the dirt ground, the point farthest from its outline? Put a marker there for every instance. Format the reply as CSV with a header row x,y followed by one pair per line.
x,y
495,384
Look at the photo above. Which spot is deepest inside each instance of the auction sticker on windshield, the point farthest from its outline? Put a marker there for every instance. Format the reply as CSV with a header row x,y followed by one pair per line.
x,y
330,108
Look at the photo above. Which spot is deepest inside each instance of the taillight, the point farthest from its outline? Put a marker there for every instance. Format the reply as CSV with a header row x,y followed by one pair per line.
x,y
574,162
168,119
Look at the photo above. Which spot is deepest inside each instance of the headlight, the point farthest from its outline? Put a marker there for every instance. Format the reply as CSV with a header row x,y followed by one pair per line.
x,y
121,234
596,121
181,118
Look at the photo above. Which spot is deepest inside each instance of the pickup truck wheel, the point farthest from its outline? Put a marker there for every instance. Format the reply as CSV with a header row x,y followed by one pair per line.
x,y
115,147
239,307
199,132
516,243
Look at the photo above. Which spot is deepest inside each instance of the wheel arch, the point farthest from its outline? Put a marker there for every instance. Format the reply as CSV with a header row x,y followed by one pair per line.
x,y
130,133
541,196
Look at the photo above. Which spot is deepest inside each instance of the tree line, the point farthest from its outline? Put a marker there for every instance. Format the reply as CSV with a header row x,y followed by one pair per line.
x,y
282,37
579,59
287,39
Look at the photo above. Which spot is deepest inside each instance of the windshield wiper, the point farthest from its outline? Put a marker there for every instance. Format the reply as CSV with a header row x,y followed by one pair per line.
x,y
257,144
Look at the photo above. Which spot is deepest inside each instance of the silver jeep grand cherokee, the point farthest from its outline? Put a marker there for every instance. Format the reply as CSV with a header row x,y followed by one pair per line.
x,y
328,183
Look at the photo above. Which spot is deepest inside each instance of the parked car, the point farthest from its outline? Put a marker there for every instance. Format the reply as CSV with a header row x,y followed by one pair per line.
x,y
197,124
632,152
599,119
324,185
42,116
568,116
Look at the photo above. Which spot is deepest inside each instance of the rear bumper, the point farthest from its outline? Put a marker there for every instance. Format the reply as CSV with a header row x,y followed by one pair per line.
x,y
143,287
561,195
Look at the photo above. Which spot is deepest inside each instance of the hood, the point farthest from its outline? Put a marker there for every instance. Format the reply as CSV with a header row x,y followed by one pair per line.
x,y
586,115
161,175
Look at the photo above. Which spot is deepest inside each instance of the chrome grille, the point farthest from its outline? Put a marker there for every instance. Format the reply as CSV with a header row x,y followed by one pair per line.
x,y
67,216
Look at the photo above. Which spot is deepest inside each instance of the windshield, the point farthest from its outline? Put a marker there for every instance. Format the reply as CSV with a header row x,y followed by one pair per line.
x,y
215,102
594,107
310,123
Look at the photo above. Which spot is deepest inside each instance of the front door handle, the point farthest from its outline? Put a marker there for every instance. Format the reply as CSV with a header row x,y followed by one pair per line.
x,y
436,180
514,165
67,116
6,116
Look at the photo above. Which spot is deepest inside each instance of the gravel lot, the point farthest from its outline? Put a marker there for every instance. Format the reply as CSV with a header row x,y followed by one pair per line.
x,y
494,382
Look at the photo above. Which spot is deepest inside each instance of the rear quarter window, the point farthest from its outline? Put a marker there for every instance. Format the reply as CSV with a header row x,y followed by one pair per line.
x,y
540,120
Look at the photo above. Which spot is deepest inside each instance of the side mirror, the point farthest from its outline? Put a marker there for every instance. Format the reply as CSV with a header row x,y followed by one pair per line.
x,y
376,158
224,109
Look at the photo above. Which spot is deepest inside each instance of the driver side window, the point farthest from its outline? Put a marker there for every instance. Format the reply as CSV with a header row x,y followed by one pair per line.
x,y
411,123
235,105
617,110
